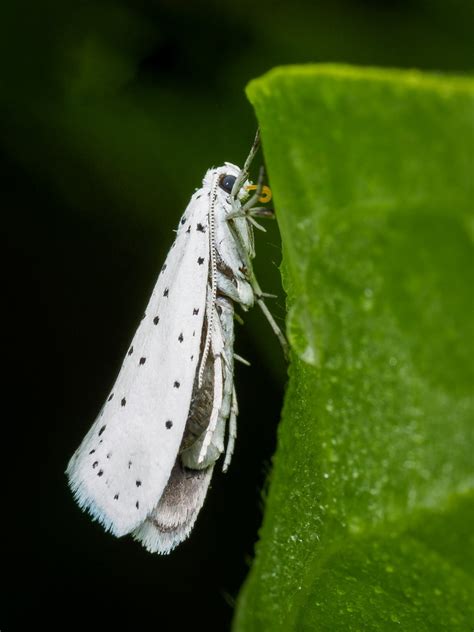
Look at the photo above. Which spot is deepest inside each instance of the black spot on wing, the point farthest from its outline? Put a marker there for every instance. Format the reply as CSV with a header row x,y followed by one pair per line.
x,y
169,424
200,260
166,292
156,320
142,361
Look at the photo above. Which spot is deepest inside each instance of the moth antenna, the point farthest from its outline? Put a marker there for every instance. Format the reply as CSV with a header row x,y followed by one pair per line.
x,y
212,253
276,329
234,411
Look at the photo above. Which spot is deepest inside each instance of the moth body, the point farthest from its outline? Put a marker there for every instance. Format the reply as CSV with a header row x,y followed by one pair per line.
x,y
145,465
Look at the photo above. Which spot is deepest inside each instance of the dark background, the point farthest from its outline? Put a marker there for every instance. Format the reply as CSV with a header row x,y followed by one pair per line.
x,y
110,115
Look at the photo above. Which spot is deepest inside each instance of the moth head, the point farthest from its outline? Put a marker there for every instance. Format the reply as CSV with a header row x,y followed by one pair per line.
x,y
228,174
227,179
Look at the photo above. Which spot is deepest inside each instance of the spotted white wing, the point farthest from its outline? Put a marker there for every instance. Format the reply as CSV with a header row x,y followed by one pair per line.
x,y
123,465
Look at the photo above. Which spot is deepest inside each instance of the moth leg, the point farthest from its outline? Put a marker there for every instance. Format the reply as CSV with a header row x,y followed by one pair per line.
x,y
276,329
238,290
241,359
234,411
256,196
256,211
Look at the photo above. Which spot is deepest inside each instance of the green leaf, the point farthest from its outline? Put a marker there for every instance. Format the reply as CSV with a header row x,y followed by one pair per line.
x,y
368,522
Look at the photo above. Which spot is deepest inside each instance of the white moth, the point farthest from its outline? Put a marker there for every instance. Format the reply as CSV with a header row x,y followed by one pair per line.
x,y
145,465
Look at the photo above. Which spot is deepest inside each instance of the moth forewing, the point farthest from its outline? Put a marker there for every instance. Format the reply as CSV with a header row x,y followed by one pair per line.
x,y
123,464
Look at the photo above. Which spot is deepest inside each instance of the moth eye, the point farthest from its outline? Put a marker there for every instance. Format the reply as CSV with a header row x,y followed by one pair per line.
x,y
227,182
